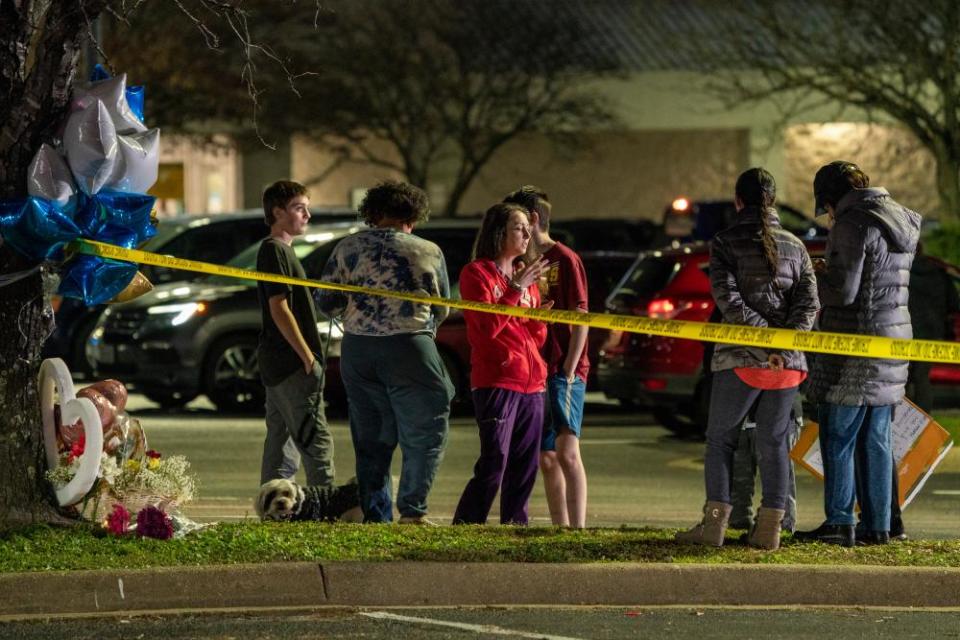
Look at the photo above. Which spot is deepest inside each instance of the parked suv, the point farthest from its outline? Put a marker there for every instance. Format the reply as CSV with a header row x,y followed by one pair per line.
x,y
207,238
666,374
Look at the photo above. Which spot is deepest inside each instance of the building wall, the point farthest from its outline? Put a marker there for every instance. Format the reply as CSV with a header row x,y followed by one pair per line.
x,y
330,181
630,174
673,139
197,178
890,156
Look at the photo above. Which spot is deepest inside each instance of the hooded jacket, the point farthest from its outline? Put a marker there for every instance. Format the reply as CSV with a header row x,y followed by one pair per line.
x,y
865,291
746,294
504,350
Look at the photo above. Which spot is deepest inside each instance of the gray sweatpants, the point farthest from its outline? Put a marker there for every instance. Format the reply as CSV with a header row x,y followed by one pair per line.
x,y
295,414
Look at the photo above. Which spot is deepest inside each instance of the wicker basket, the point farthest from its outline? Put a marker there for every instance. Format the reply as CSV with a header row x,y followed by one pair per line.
x,y
98,507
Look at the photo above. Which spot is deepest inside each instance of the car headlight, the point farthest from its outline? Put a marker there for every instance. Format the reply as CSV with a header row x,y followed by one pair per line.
x,y
177,314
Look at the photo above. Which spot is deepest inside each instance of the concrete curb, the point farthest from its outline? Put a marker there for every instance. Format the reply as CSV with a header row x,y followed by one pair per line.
x,y
395,584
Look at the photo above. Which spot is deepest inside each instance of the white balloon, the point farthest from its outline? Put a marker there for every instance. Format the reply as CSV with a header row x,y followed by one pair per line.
x,y
90,141
113,93
49,177
55,379
137,163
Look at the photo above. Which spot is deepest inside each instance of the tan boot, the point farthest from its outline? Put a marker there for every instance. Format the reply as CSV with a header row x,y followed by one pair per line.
x,y
766,530
711,529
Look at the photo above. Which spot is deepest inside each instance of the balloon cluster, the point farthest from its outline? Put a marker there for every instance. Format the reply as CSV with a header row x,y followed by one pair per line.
x,y
92,186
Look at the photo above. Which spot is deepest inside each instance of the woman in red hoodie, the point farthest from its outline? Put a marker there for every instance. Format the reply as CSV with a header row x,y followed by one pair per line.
x,y
507,372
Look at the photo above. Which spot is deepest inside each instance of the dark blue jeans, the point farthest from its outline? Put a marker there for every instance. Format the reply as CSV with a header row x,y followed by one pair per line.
x,y
730,400
855,445
398,392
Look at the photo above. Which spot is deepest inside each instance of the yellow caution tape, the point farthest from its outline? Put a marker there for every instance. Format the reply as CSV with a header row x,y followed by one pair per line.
x,y
767,338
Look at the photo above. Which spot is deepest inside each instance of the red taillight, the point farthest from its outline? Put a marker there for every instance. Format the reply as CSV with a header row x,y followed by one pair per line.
x,y
654,384
661,308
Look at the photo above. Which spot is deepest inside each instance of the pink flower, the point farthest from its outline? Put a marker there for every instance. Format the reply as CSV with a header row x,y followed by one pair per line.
x,y
118,520
154,523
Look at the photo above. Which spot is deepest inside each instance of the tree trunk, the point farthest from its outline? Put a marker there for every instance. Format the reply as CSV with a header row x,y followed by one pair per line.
x,y
38,60
25,320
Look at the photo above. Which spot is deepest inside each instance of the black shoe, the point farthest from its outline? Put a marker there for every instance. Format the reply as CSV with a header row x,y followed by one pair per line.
x,y
871,538
841,534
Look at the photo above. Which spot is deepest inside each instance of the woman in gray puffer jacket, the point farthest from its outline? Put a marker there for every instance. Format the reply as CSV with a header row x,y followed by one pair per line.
x,y
760,276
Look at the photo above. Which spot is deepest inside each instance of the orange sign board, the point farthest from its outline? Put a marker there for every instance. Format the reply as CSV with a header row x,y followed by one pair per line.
x,y
919,445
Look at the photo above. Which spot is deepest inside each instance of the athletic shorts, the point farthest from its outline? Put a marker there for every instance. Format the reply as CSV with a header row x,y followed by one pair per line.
x,y
564,408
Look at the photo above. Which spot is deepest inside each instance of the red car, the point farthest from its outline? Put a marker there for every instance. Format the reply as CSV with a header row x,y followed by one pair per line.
x,y
665,375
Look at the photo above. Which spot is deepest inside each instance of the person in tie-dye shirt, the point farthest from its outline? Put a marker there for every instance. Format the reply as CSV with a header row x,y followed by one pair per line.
x,y
398,389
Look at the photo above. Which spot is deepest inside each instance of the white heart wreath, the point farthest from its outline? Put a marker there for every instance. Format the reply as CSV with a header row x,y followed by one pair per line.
x,y
55,381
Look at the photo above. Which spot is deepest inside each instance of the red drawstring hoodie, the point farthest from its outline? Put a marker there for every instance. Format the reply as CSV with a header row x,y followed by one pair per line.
x,y
504,350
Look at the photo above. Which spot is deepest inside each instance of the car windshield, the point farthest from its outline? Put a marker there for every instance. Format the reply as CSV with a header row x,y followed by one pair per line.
x,y
649,275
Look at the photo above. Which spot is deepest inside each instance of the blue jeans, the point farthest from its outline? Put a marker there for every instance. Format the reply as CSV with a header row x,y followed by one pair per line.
x,y
398,392
855,445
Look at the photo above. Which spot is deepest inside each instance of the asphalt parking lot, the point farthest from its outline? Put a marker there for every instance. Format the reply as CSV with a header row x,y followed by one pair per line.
x,y
545,623
638,474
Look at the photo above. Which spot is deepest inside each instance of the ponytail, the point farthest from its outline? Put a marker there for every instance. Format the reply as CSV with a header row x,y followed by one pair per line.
x,y
770,251
757,188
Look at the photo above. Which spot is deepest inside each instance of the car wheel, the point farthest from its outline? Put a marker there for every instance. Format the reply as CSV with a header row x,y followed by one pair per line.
x,y
168,398
232,375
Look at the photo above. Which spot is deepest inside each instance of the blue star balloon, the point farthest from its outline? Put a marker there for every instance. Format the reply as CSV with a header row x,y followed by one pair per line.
x,y
36,227
95,280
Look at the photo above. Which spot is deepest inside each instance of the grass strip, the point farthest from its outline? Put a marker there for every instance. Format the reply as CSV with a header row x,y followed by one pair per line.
x,y
42,548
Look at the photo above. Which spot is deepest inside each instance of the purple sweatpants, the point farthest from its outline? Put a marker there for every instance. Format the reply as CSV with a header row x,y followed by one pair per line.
x,y
511,425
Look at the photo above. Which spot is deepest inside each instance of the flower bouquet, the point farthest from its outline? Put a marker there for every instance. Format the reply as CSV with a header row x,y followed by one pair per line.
x,y
129,475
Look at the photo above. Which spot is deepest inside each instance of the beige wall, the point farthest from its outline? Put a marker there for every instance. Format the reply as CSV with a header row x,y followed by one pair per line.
x,y
311,164
673,140
630,174
889,155
211,174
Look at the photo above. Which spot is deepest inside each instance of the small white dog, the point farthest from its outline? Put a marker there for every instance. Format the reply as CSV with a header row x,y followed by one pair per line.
x,y
287,500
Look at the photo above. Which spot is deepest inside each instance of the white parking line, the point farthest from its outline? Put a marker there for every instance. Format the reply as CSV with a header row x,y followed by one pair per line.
x,y
478,628
946,492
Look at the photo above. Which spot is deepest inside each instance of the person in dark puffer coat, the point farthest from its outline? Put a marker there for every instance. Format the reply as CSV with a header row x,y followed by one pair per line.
x,y
864,290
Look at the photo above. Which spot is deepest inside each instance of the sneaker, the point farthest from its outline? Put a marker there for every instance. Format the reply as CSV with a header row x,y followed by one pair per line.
x,y
420,520
841,534
871,538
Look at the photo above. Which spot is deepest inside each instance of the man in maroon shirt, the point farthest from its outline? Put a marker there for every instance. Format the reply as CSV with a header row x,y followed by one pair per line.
x,y
565,353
